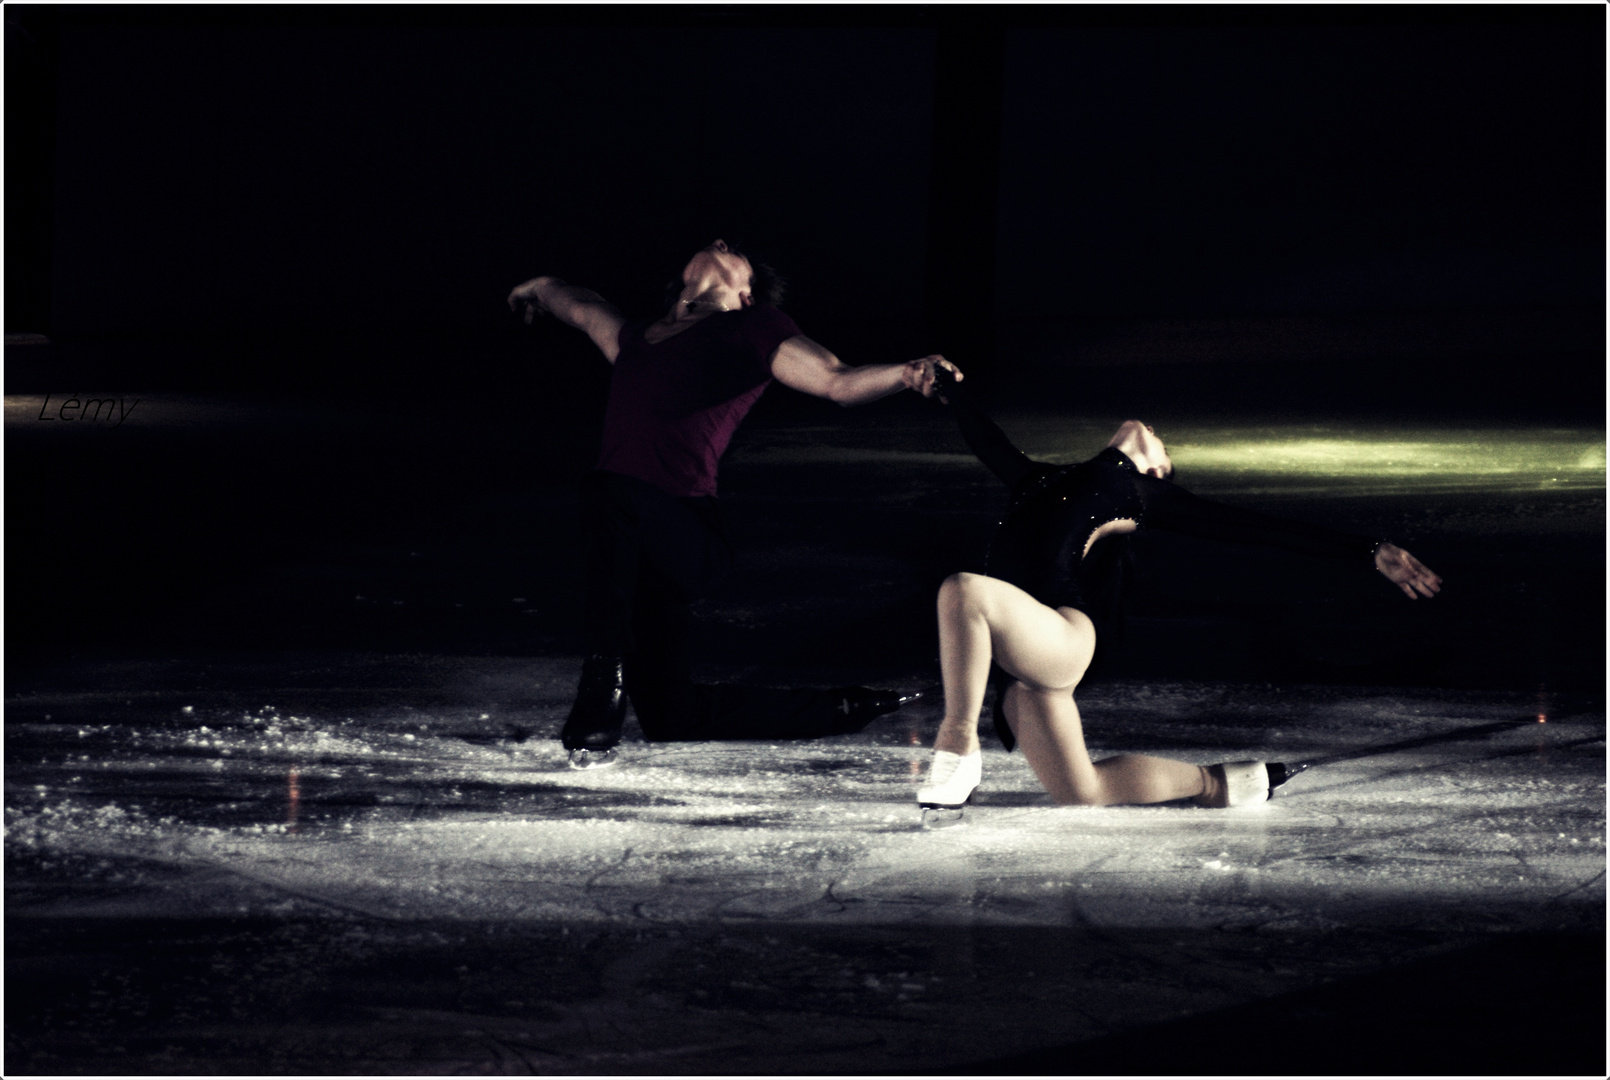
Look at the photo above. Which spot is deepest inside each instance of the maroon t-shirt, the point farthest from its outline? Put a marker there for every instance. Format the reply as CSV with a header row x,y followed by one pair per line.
x,y
674,406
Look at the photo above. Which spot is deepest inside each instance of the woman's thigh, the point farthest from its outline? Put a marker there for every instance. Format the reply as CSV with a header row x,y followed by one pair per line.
x,y
1043,647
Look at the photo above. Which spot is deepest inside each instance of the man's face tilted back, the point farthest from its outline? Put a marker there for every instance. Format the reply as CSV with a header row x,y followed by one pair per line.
x,y
716,279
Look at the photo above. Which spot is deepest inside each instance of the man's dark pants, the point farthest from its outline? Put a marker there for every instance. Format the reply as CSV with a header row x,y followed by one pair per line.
x,y
649,556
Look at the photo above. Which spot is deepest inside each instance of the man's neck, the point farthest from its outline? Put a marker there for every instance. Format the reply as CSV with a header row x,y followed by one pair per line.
x,y
694,308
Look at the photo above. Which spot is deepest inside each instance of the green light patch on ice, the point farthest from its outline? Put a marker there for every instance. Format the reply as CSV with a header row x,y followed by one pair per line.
x,y
1393,460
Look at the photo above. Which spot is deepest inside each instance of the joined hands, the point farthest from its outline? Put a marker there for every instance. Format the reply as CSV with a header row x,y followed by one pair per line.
x,y
922,375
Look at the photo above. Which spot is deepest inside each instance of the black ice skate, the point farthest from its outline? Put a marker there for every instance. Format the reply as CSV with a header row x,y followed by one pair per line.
x,y
594,726
857,706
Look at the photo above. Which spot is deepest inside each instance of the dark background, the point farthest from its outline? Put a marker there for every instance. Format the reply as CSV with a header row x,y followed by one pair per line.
x,y
270,178
316,213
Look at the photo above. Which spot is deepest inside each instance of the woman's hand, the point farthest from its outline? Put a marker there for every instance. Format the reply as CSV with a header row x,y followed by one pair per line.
x,y
919,374
1406,572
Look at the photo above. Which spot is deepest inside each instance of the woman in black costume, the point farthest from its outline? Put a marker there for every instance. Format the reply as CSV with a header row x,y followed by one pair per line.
x,y
1029,618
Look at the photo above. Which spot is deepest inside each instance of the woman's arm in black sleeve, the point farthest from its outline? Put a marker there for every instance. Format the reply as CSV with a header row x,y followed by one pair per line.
x,y
989,442
1170,507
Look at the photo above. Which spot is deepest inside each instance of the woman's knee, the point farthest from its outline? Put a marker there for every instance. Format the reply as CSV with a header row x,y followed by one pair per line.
x,y
962,592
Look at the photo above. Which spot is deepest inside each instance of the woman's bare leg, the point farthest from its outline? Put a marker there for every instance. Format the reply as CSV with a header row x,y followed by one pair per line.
x,y
981,618
1047,651
1049,730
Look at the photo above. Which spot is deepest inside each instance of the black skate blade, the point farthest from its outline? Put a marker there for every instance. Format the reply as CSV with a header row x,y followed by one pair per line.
x,y
1280,772
942,817
592,759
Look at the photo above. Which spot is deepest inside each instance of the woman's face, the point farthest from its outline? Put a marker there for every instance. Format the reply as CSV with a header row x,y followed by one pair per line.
x,y
1142,446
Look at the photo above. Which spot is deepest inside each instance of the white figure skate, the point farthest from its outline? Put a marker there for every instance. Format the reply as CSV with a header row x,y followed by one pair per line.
x,y
1244,782
951,781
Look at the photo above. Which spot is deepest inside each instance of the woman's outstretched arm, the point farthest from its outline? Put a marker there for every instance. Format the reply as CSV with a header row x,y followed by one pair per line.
x,y
1168,506
985,439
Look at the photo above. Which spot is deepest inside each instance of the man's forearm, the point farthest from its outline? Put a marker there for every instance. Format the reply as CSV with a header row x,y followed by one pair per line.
x,y
566,302
860,385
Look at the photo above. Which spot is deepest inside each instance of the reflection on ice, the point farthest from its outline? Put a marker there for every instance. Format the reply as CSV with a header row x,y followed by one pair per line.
x,y
293,798
1535,456
1260,459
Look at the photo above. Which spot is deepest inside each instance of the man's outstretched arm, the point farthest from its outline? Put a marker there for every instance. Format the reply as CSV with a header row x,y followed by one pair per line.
x,y
801,364
573,306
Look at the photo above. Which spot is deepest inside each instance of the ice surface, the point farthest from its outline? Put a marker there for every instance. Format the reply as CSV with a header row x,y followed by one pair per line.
x,y
433,813
770,907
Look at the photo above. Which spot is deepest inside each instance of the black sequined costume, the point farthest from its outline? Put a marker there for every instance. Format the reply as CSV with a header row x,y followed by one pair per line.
x,y
1040,543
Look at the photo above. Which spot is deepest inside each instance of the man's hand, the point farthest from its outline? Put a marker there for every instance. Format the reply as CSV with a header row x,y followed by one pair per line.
x,y
573,306
801,364
919,374
527,297
1406,572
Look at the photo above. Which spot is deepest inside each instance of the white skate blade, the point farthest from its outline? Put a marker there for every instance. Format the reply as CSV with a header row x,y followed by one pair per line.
x,y
592,759
941,817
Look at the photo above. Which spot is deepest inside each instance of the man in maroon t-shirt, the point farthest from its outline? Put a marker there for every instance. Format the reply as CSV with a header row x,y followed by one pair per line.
x,y
681,386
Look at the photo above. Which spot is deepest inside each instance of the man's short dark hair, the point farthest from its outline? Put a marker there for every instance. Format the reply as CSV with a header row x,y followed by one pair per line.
x,y
766,286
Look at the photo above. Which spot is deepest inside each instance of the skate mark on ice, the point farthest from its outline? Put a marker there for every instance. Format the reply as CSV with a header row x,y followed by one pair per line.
x,y
587,889
1589,883
1497,755
260,878
1479,731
